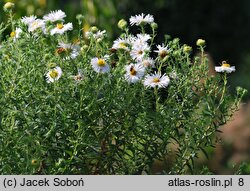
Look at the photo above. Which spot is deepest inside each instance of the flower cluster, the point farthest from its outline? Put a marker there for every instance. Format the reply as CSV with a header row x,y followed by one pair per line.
x,y
138,47
50,24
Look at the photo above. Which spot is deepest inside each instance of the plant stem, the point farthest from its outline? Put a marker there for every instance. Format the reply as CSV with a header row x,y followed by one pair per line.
x,y
156,99
223,90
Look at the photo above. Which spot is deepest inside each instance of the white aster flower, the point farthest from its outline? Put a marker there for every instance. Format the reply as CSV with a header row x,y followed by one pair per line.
x,y
16,34
61,28
98,35
28,20
141,19
225,67
54,16
162,50
141,39
100,65
139,51
69,50
36,24
156,80
121,44
148,62
134,72
54,74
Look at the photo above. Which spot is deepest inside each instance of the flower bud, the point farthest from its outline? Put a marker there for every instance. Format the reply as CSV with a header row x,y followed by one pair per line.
x,y
8,6
51,65
200,42
241,91
197,59
122,24
176,40
94,29
187,49
99,40
154,25
84,48
79,17
167,37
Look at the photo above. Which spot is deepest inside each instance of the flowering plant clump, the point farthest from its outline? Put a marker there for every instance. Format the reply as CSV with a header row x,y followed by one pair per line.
x,y
85,105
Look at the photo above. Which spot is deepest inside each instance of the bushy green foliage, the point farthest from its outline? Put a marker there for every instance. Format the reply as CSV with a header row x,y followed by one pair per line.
x,y
79,108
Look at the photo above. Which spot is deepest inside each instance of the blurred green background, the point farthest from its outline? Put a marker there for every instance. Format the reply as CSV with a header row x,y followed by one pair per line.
x,y
225,25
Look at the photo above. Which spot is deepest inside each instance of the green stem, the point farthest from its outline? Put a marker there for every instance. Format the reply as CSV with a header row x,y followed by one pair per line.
x,y
224,90
202,56
142,29
160,66
11,21
55,109
156,99
48,134
153,37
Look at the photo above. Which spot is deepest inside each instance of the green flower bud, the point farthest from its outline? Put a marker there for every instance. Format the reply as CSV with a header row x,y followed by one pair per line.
x,y
176,40
84,48
8,6
197,59
79,17
241,91
93,29
51,65
122,24
200,42
167,37
154,25
187,49
99,40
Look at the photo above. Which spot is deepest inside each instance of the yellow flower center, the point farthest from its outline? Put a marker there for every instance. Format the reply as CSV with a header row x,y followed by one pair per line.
x,y
101,62
59,25
156,80
122,45
53,73
225,64
132,71
34,24
13,34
